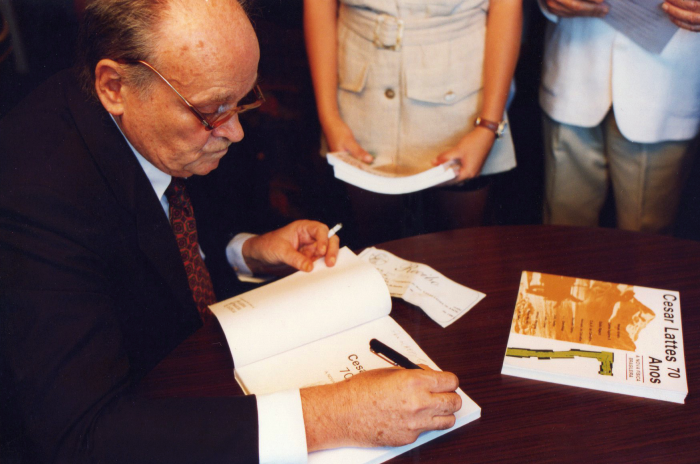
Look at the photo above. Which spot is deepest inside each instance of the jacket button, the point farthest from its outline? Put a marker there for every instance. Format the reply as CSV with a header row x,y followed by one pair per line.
x,y
449,96
389,93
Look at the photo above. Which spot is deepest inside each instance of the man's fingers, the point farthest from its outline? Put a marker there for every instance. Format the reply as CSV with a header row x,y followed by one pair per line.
x,y
441,382
298,261
684,25
332,252
446,403
683,13
443,422
319,233
687,5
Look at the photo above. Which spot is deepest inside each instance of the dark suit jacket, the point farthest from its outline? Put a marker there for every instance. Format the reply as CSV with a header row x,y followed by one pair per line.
x,y
93,295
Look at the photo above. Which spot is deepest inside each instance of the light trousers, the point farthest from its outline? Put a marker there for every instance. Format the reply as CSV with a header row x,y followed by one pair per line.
x,y
582,162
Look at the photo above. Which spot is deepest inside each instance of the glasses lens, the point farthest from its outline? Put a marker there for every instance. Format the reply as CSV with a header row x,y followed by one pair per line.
x,y
251,100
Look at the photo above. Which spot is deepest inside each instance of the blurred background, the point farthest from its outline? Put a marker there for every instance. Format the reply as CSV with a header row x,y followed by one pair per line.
x,y
276,171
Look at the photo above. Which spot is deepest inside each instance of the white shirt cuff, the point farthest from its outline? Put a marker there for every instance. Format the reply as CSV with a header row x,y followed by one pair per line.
x,y
234,255
281,433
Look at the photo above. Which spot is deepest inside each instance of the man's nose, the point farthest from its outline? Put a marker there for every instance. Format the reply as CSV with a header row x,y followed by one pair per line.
x,y
231,130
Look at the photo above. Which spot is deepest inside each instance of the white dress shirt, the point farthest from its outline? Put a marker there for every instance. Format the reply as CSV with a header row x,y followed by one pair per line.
x,y
281,432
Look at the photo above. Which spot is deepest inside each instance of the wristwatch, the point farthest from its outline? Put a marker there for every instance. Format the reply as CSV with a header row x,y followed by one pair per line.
x,y
495,127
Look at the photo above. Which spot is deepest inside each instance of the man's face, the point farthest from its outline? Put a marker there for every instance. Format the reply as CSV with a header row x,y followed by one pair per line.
x,y
210,54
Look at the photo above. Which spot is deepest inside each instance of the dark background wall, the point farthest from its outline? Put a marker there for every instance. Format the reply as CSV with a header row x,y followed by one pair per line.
x,y
277,168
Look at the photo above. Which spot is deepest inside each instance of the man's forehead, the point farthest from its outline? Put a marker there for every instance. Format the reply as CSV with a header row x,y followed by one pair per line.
x,y
211,16
206,47
207,30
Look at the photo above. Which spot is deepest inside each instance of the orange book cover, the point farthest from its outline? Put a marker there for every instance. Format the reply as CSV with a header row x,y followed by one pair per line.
x,y
602,335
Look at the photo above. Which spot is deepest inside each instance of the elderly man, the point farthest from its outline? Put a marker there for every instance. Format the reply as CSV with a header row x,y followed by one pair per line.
x,y
101,274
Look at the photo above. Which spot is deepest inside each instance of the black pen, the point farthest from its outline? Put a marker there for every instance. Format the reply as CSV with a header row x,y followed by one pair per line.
x,y
390,355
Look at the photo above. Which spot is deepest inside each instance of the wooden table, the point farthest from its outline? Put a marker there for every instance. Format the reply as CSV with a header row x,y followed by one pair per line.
x,y
522,420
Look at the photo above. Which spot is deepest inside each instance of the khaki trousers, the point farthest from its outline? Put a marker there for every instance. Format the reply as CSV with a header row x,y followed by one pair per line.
x,y
581,162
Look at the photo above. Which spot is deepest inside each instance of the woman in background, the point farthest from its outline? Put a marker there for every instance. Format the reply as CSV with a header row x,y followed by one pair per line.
x,y
415,84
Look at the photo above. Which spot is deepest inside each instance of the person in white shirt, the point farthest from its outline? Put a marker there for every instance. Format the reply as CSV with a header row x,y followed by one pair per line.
x,y
619,115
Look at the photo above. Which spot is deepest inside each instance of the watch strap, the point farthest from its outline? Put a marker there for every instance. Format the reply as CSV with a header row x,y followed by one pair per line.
x,y
495,127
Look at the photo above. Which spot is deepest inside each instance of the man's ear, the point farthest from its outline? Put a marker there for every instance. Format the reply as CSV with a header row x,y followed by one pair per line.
x,y
109,86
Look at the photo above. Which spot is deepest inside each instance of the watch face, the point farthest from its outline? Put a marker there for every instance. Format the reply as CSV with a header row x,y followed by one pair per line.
x,y
501,128
496,127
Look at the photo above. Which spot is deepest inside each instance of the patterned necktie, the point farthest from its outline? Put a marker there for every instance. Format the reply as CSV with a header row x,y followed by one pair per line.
x,y
185,229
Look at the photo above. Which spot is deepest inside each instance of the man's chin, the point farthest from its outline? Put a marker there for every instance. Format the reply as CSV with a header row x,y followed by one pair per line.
x,y
203,167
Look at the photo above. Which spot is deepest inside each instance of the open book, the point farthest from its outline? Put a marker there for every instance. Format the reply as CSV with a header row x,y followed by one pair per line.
x,y
599,335
389,179
313,329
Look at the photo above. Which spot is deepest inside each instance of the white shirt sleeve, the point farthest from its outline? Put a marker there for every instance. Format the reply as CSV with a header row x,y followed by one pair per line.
x,y
234,255
282,437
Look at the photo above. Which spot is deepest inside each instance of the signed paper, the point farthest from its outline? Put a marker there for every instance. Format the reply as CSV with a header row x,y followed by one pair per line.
x,y
442,299
642,21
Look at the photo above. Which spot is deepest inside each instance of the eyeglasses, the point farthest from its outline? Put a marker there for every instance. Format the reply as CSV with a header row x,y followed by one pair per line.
x,y
252,100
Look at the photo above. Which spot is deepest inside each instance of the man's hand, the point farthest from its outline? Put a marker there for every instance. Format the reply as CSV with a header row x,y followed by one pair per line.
x,y
684,13
383,407
298,245
573,8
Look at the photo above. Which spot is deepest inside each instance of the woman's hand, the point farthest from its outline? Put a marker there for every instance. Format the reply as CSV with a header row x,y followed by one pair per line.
x,y
471,152
340,138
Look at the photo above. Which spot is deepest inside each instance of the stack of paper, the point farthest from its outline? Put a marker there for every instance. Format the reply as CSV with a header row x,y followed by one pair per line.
x,y
389,179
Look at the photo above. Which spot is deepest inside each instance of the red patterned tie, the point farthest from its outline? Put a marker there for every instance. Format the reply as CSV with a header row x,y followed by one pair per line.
x,y
185,229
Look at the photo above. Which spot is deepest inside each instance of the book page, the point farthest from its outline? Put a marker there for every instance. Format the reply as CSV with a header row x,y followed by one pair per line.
x,y
642,21
442,299
335,359
301,308
330,360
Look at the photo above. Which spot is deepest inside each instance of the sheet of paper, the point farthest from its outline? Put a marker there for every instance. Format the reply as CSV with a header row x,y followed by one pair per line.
x,y
643,21
303,307
442,299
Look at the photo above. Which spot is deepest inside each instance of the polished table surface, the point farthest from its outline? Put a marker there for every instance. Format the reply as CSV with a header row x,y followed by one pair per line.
x,y
522,420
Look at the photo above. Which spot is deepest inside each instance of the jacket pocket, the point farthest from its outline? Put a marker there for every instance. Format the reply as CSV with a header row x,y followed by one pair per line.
x,y
447,72
353,62
352,76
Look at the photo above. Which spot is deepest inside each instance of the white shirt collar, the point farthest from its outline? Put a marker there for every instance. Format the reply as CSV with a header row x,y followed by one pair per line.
x,y
159,180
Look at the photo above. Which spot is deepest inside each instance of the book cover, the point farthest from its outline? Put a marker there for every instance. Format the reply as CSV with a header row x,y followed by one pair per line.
x,y
601,335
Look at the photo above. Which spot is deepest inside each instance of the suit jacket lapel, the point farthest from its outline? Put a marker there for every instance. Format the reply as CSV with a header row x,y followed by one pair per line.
x,y
133,190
